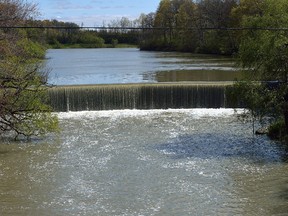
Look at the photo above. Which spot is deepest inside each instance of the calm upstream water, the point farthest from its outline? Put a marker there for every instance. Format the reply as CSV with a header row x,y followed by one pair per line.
x,y
129,65
155,162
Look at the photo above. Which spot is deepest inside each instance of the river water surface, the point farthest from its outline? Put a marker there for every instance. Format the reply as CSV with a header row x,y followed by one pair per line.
x,y
135,162
154,162
129,65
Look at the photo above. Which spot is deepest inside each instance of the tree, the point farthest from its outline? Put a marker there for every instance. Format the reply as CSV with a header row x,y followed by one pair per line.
x,y
146,20
182,25
22,85
90,39
165,18
216,14
186,39
264,55
147,36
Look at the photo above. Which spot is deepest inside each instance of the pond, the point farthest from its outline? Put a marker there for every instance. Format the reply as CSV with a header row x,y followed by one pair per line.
x,y
153,162
129,65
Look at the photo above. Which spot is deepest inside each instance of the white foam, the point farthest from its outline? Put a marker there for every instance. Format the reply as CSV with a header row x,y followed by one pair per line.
x,y
195,113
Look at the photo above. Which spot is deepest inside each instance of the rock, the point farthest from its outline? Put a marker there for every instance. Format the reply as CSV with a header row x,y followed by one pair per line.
x,y
262,131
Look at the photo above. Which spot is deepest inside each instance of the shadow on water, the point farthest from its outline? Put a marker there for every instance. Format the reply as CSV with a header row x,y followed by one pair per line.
x,y
284,193
196,75
219,146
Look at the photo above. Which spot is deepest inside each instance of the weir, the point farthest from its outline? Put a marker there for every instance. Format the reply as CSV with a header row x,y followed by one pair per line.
x,y
139,96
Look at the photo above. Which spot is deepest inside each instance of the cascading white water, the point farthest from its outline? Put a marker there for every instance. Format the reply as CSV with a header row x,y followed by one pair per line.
x,y
145,162
138,96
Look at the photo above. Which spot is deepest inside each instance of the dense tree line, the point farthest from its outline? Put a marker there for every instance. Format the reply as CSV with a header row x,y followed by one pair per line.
x,y
177,25
183,26
62,34
65,34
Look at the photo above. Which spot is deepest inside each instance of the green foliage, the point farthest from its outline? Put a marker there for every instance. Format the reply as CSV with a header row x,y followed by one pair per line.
x,y
55,44
261,100
126,37
114,43
90,39
23,87
23,106
181,26
263,54
31,49
277,130
69,35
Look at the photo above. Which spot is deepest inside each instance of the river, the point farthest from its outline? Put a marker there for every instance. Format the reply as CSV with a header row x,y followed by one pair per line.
x,y
129,65
143,162
154,162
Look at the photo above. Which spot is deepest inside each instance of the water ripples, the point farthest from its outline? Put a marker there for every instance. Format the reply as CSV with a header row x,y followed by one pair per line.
x,y
157,162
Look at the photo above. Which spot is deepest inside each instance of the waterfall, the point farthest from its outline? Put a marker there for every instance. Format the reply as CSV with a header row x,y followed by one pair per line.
x,y
138,96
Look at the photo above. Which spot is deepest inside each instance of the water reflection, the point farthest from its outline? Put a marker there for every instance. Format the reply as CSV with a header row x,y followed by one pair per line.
x,y
106,66
195,75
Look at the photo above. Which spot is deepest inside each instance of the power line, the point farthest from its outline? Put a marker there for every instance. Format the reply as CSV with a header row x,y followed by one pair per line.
x,y
144,28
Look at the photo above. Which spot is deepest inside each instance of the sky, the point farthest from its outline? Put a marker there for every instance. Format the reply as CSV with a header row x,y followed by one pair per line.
x,y
94,12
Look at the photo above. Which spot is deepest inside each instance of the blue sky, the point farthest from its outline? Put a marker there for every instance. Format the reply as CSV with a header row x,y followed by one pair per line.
x,y
94,12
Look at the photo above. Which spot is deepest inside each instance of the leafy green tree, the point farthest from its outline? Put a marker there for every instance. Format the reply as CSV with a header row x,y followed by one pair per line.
x,y
165,18
187,35
216,14
22,101
114,43
264,54
90,39
22,84
147,36
182,26
146,20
